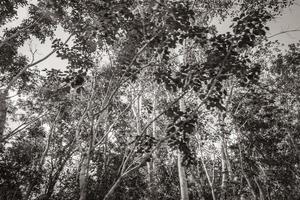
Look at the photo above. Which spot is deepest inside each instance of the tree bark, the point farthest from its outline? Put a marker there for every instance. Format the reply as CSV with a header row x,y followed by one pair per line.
x,y
182,179
83,178
3,111
84,171
181,169
152,168
151,180
224,175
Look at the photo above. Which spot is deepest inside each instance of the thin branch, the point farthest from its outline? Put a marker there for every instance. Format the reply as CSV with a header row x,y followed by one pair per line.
x,y
10,84
112,125
163,112
118,87
283,32
17,33
22,127
215,79
32,52
153,120
128,78
44,154
86,110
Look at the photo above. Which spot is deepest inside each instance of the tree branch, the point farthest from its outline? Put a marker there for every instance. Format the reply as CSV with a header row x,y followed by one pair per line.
x,y
14,79
282,32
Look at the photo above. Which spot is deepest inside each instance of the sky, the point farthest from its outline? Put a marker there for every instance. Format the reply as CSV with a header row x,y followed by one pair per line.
x,y
290,20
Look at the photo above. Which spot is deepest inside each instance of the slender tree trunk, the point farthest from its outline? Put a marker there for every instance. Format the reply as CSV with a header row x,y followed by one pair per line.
x,y
242,167
112,189
181,169
50,189
83,178
224,175
228,163
151,180
182,179
40,165
152,168
261,191
211,185
48,142
223,156
84,171
53,180
3,111
139,132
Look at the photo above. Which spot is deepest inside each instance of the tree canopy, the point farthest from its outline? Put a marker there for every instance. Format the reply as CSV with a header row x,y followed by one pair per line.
x,y
154,102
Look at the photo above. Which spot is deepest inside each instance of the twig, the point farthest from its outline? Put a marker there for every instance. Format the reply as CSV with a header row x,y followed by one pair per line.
x,y
282,32
10,84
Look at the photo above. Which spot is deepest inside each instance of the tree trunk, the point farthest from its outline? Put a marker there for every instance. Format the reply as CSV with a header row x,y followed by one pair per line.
x,y
112,189
3,111
242,167
181,169
211,185
151,180
182,178
83,178
224,175
152,168
84,171
261,191
225,163
53,180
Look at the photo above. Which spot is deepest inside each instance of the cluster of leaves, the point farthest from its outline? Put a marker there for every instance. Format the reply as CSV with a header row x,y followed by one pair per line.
x,y
8,9
145,143
180,130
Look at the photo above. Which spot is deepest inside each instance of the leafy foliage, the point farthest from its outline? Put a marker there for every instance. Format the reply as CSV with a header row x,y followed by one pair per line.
x,y
107,129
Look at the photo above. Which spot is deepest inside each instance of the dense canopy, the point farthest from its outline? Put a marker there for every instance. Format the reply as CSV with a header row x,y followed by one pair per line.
x,y
150,101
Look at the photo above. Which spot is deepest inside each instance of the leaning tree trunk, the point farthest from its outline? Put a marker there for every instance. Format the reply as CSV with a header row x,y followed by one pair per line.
x,y
211,185
181,169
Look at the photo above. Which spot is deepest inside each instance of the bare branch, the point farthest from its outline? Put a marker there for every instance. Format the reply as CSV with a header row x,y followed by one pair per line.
x,y
10,84
283,32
